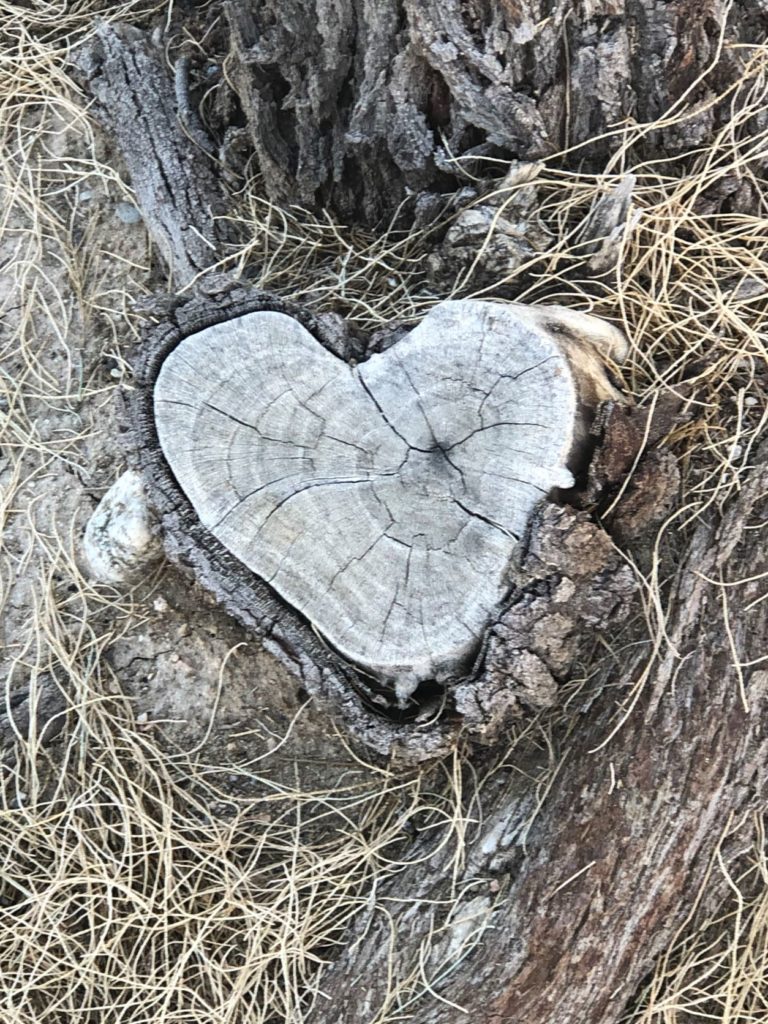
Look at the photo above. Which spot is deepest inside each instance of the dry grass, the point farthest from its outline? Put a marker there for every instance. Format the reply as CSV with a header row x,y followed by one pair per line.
x,y
123,898
719,970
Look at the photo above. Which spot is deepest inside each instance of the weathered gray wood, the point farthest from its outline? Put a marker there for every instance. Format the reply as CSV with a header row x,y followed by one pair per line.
x,y
552,609
179,194
382,501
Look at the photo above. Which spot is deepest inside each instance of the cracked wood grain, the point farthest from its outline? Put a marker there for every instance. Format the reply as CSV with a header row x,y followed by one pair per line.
x,y
382,501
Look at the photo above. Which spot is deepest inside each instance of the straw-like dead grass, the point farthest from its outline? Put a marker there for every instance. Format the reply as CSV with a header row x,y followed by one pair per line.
x,y
123,896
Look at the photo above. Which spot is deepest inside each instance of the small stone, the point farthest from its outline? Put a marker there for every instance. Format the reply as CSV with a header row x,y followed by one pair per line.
x,y
142,719
127,213
120,542
160,605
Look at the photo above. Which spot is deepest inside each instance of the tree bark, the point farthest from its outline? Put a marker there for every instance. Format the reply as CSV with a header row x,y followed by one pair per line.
x,y
166,151
355,106
614,861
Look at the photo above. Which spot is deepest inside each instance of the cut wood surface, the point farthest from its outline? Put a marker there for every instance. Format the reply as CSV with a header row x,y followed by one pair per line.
x,y
382,501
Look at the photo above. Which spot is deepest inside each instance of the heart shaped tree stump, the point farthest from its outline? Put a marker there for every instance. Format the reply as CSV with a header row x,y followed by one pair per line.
x,y
365,516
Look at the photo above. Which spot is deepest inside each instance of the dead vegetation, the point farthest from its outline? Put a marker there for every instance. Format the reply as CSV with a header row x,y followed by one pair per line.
x,y
136,882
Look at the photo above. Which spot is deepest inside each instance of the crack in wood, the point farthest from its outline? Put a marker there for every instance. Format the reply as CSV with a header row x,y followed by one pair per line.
x,y
394,501
491,686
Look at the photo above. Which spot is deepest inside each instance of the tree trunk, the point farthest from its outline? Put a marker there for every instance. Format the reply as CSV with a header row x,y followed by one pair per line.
x,y
356,106
613,863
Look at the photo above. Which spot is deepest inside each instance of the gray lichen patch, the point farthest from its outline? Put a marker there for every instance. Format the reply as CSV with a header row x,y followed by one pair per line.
x,y
383,502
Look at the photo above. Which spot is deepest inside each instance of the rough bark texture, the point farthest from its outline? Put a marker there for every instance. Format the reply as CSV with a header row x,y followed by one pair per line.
x,y
613,864
355,103
166,152
358,104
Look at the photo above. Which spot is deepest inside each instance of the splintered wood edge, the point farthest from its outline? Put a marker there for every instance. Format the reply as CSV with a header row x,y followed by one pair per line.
x,y
338,687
